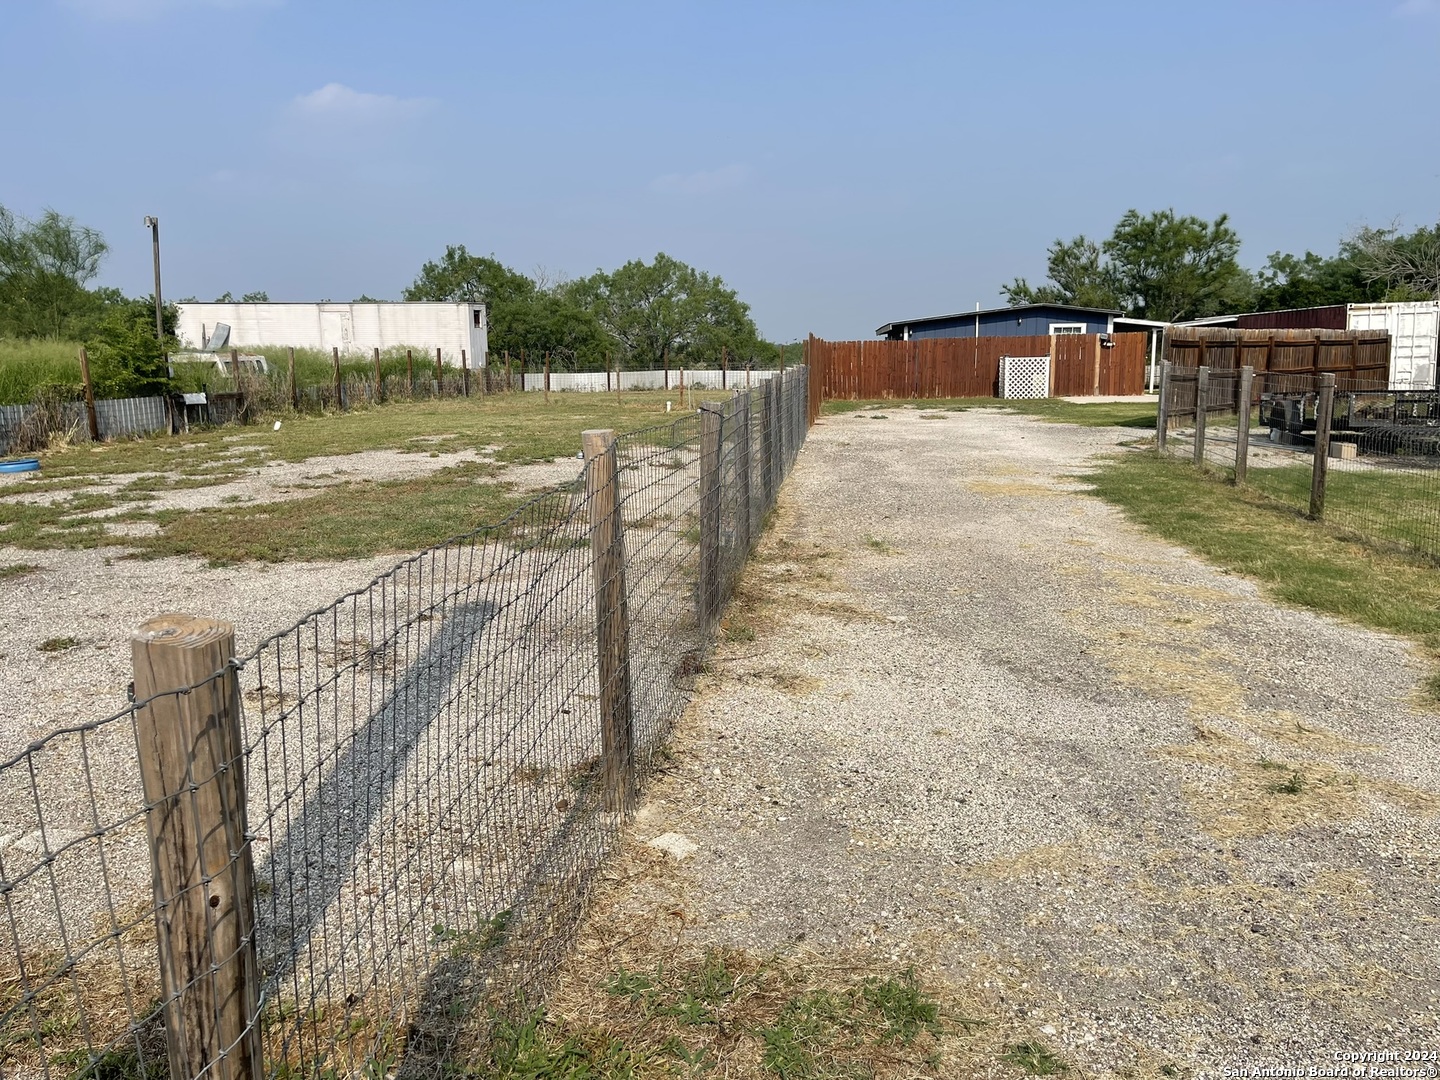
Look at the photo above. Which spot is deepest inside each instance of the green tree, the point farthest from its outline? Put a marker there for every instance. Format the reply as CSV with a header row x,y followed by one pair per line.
x,y
666,309
45,267
126,359
460,277
258,297
1405,265
1076,277
1153,266
1310,280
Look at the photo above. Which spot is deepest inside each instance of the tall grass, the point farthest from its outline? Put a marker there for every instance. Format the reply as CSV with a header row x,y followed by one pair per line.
x,y
28,365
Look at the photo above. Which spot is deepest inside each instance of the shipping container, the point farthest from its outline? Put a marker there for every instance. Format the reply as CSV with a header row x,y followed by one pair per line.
x,y
354,329
1414,337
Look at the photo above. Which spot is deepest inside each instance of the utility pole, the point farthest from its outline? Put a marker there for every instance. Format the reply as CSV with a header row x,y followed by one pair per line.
x,y
153,224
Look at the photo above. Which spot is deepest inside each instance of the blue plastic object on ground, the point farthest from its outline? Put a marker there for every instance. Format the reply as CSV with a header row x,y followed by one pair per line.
x,y
28,464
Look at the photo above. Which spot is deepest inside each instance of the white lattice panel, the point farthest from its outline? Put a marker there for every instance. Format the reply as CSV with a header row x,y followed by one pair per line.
x,y
1025,376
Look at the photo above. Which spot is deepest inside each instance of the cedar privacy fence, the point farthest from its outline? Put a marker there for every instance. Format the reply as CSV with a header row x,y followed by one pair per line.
x,y
248,393
1080,365
379,824
1349,451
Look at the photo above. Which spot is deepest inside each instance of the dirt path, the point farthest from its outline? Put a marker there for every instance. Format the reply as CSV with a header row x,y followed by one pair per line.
x,y
1127,807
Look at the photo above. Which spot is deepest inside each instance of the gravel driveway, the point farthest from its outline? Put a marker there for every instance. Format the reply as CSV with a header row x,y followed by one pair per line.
x,y
1136,811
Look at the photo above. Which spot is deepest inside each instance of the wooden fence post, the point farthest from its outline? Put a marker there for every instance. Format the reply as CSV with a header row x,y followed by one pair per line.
x,y
91,416
547,378
612,617
1242,428
1162,412
379,382
339,391
294,389
712,422
464,374
742,470
665,363
1202,399
724,368
192,770
1324,414
767,444
485,374
1097,350
410,370
439,376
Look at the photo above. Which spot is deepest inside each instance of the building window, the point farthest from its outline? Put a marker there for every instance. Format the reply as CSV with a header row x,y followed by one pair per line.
x,y
477,314
1067,328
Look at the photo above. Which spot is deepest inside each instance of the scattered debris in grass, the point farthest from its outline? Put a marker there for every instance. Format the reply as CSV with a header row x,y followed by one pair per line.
x,y
58,644
19,569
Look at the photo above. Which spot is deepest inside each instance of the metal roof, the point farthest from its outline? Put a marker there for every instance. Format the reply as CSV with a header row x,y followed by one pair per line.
x,y
995,311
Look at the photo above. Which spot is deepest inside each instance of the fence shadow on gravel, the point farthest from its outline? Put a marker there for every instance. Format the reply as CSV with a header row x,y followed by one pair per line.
x,y
339,854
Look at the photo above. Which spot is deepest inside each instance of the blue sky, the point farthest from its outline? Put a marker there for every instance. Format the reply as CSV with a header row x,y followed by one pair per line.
x,y
839,164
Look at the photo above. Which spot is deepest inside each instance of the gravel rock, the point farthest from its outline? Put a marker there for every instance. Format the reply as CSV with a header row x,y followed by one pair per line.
x,y
988,721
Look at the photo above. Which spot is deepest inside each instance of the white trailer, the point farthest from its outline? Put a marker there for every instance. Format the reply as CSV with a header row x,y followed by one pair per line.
x,y
354,329
1414,338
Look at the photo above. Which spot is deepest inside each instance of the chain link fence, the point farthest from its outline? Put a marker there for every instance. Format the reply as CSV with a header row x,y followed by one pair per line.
x,y
340,853
1354,452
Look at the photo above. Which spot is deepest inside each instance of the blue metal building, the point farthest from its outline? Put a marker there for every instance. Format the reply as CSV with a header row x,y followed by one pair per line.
x,y
1022,321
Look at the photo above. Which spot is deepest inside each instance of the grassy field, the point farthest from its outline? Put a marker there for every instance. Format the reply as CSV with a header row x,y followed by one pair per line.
x,y
1296,560
1098,414
348,520
25,366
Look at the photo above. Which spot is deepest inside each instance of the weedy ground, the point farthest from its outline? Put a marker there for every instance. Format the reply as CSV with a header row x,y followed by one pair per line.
x,y
83,489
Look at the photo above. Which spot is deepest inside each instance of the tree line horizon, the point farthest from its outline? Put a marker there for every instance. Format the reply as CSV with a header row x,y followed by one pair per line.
x,y
1160,265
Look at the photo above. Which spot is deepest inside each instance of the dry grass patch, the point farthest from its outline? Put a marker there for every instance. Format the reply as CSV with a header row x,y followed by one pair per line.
x,y
643,997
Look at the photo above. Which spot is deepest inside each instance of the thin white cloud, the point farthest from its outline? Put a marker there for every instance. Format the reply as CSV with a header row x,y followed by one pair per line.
x,y
704,182
1415,9
138,10
336,102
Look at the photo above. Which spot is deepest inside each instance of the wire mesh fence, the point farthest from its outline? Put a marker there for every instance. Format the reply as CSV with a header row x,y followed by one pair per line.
x,y
1359,454
337,854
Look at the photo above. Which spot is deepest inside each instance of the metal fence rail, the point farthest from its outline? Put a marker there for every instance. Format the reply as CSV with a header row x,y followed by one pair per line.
x,y
336,854
1354,452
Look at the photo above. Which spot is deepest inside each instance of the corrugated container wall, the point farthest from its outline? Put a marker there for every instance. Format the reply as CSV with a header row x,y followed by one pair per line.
x,y
355,329
1414,339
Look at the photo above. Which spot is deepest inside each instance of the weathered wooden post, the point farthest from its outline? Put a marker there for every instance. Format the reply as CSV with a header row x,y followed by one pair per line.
x,y
1162,412
91,416
1324,415
192,769
294,389
547,378
1202,399
235,368
612,617
464,374
410,370
724,368
1242,427
767,444
712,423
742,470
485,374
339,391
439,376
